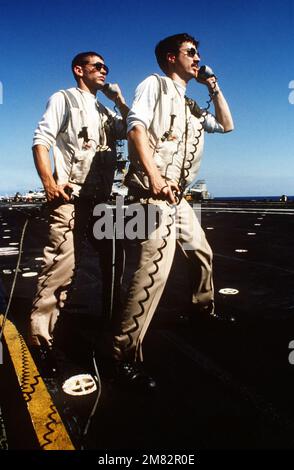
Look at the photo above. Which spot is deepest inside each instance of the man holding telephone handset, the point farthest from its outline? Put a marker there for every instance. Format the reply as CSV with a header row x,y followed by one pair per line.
x,y
166,133
82,133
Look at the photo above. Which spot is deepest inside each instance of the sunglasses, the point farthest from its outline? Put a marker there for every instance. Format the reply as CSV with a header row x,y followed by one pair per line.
x,y
99,66
192,52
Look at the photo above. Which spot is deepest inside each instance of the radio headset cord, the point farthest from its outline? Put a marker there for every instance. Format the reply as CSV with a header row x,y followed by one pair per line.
x,y
186,166
15,277
94,408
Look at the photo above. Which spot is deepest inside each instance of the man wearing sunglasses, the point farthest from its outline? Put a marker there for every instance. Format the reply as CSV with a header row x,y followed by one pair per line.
x,y
165,133
82,134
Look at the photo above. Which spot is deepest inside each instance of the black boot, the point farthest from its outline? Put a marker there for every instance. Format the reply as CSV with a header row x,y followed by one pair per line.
x,y
133,374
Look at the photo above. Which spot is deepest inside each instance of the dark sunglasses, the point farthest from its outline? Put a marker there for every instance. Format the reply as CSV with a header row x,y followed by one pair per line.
x,y
99,66
192,52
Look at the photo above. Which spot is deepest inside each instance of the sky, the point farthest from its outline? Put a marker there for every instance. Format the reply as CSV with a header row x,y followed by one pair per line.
x,y
249,45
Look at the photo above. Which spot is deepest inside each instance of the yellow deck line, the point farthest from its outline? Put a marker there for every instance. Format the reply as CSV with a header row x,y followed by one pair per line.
x,y
46,420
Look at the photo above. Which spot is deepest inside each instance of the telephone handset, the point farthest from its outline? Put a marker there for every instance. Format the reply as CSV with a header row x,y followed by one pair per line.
x,y
110,90
205,72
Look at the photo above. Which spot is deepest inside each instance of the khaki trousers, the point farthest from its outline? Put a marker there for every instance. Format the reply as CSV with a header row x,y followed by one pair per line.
x,y
178,224
70,224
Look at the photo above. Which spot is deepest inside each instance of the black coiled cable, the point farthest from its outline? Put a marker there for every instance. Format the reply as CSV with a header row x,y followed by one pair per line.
x,y
187,161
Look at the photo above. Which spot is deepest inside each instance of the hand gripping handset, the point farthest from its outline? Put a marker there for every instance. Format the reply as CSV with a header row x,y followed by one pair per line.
x,y
205,72
111,90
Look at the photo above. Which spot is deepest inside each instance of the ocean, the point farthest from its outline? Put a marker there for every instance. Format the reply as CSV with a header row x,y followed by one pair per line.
x,y
254,198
